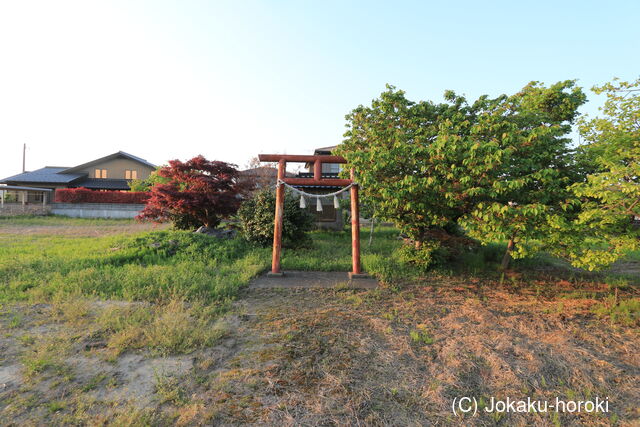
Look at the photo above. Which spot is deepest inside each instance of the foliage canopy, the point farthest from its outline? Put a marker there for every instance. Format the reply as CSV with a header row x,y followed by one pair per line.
x,y
499,167
203,190
608,199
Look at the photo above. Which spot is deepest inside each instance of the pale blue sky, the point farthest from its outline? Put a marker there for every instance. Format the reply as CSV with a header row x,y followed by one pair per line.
x,y
229,80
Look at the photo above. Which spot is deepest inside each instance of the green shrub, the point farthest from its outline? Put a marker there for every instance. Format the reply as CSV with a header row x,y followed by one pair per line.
x,y
256,219
184,221
428,255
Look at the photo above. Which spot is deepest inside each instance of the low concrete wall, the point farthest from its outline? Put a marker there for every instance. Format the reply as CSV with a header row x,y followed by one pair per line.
x,y
14,209
96,210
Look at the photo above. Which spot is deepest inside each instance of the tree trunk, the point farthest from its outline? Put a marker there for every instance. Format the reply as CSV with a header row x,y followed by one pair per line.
x,y
507,255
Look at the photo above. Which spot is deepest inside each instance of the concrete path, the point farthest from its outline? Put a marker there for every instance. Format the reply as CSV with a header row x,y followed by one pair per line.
x,y
313,279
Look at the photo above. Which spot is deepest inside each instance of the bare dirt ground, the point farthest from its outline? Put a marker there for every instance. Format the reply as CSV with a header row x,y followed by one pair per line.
x,y
89,230
391,356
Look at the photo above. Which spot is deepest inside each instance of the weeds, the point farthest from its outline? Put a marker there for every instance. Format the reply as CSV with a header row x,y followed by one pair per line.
x,y
168,388
176,327
45,355
149,267
15,321
420,336
624,312
94,382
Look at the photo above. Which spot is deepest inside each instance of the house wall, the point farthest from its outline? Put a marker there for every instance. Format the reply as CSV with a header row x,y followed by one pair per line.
x,y
116,168
14,209
96,210
29,196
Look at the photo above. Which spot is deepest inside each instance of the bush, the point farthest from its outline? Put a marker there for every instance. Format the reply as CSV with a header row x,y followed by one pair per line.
x,y
428,255
256,219
84,195
198,189
184,221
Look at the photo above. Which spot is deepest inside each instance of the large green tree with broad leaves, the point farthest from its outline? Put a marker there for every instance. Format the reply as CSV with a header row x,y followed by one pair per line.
x,y
409,158
602,229
500,167
530,186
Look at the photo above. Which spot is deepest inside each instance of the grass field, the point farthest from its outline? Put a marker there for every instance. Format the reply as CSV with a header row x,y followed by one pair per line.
x,y
109,322
156,265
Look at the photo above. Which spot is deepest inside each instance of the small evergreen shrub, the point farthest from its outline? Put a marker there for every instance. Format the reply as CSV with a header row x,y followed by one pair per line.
x,y
256,217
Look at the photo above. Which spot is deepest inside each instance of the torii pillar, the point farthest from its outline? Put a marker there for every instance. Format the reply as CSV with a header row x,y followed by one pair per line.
x,y
317,161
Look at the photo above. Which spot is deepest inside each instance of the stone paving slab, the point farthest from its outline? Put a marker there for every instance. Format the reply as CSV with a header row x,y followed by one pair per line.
x,y
313,279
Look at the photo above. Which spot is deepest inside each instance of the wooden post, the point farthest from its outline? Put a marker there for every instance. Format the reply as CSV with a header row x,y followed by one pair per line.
x,y
317,170
355,229
277,224
24,201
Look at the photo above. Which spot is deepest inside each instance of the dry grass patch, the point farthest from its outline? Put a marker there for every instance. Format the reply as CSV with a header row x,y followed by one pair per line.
x,y
176,327
323,357
382,357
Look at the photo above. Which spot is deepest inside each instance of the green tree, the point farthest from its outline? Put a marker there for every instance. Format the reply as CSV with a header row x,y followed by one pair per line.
x,y
408,159
602,230
530,184
147,183
499,167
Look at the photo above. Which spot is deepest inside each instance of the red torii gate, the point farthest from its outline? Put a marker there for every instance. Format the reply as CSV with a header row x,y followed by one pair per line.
x,y
317,179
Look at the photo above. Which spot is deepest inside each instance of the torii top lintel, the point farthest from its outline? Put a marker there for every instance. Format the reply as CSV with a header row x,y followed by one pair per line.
x,y
317,161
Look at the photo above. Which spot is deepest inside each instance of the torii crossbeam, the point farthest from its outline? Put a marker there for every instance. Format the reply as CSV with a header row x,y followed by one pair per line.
x,y
317,161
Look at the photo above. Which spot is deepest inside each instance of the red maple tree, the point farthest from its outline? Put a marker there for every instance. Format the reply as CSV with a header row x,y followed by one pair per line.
x,y
204,190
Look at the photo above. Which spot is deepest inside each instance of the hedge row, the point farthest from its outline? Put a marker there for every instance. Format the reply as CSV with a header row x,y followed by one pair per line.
x,y
84,195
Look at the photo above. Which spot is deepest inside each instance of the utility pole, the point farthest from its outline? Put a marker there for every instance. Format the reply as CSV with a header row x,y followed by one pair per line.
x,y
24,154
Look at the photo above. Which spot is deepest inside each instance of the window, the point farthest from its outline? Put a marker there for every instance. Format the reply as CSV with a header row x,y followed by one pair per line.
x,y
331,168
129,174
101,173
35,197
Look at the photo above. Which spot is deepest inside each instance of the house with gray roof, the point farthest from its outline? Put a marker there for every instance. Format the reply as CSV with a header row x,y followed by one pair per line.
x,y
112,172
